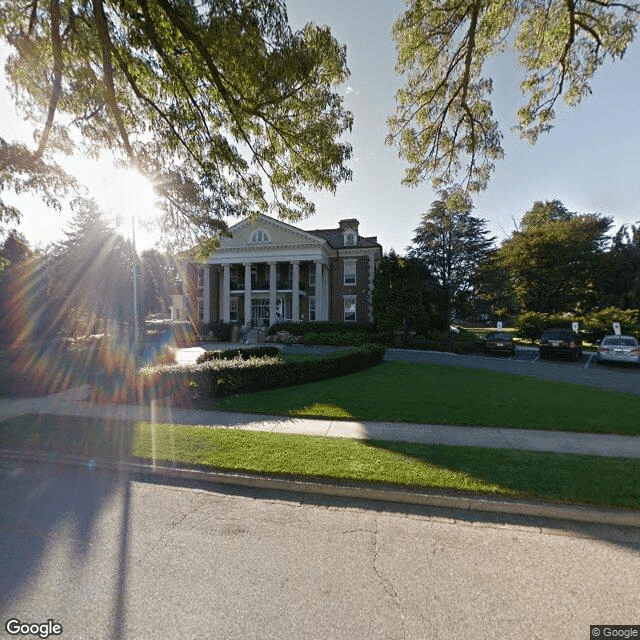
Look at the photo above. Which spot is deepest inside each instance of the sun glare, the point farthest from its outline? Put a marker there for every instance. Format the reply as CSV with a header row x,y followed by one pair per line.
x,y
124,194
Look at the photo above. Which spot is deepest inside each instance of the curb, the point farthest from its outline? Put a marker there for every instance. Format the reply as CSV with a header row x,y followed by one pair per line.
x,y
380,492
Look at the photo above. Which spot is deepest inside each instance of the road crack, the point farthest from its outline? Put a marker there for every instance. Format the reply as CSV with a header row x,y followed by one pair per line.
x,y
386,583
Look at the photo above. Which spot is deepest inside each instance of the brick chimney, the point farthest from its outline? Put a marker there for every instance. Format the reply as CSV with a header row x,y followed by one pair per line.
x,y
349,223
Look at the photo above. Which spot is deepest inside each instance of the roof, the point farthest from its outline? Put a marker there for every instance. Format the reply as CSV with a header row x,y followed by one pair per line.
x,y
335,237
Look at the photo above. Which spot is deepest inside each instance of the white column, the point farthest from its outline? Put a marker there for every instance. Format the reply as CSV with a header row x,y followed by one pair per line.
x,y
295,292
318,292
319,295
226,293
247,294
220,293
272,293
206,294
325,292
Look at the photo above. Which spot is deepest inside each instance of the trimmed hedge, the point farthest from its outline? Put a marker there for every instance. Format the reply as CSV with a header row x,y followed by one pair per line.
x,y
232,354
217,378
461,343
303,328
342,339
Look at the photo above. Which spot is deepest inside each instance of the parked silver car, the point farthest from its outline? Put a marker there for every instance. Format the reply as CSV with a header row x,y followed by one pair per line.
x,y
619,349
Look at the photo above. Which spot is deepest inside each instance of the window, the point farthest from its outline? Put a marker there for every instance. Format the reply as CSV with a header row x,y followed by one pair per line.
x,y
312,310
233,309
260,236
200,278
200,308
350,239
312,276
349,272
349,308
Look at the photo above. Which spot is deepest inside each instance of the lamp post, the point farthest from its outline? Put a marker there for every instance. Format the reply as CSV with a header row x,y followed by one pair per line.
x,y
135,294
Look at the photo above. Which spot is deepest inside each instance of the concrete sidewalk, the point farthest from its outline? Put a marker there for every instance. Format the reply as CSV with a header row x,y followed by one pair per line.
x,y
73,403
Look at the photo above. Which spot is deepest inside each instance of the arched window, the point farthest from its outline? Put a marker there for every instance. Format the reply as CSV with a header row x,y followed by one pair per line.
x,y
260,236
350,239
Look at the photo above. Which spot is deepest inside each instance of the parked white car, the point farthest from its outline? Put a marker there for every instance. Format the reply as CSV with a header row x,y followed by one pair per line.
x,y
619,349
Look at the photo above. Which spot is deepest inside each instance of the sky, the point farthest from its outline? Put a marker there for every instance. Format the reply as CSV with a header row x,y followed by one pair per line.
x,y
589,161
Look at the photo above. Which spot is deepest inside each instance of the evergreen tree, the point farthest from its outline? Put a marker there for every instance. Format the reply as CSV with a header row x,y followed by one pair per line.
x,y
451,244
92,273
398,303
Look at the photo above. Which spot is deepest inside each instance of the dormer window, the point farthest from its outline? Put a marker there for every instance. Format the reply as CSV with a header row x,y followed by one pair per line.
x,y
350,239
259,236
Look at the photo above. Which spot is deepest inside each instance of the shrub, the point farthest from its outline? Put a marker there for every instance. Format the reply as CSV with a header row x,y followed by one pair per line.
x,y
283,337
216,332
302,328
530,325
167,355
598,324
593,326
245,354
342,339
461,343
216,378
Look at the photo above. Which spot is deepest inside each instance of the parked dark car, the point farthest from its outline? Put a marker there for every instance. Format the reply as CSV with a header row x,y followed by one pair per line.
x,y
498,342
560,342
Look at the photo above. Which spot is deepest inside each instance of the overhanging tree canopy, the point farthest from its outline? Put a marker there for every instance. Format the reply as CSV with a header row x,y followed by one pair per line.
x,y
444,124
217,101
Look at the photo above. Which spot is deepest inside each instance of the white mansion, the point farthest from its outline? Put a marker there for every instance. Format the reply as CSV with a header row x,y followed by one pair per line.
x,y
269,271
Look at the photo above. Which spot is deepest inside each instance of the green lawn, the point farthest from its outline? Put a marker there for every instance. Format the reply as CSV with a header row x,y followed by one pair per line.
x,y
555,477
426,393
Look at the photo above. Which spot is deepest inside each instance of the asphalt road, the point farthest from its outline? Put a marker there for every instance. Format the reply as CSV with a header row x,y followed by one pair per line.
x,y
109,557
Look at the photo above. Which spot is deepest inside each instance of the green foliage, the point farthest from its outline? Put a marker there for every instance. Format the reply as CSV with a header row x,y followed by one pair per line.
x,y
599,323
461,343
618,278
302,328
554,260
444,123
167,87
451,244
342,338
398,302
216,378
593,325
92,274
159,279
244,354
530,325
218,331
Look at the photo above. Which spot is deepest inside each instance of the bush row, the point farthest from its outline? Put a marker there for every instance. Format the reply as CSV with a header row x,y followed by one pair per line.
x,y
232,354
592,326
217,378
342,338
461,343
302,328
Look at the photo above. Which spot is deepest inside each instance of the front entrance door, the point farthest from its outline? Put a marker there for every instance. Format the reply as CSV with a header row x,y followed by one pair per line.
x,y
260,311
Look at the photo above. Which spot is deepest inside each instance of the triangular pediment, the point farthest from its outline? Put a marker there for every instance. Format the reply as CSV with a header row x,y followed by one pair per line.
x,y
264,232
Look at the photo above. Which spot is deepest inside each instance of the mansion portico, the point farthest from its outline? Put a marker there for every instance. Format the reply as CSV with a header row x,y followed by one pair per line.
x,y
269,271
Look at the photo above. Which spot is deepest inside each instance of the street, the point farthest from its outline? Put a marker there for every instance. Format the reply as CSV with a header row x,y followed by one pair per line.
x,y
110,557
